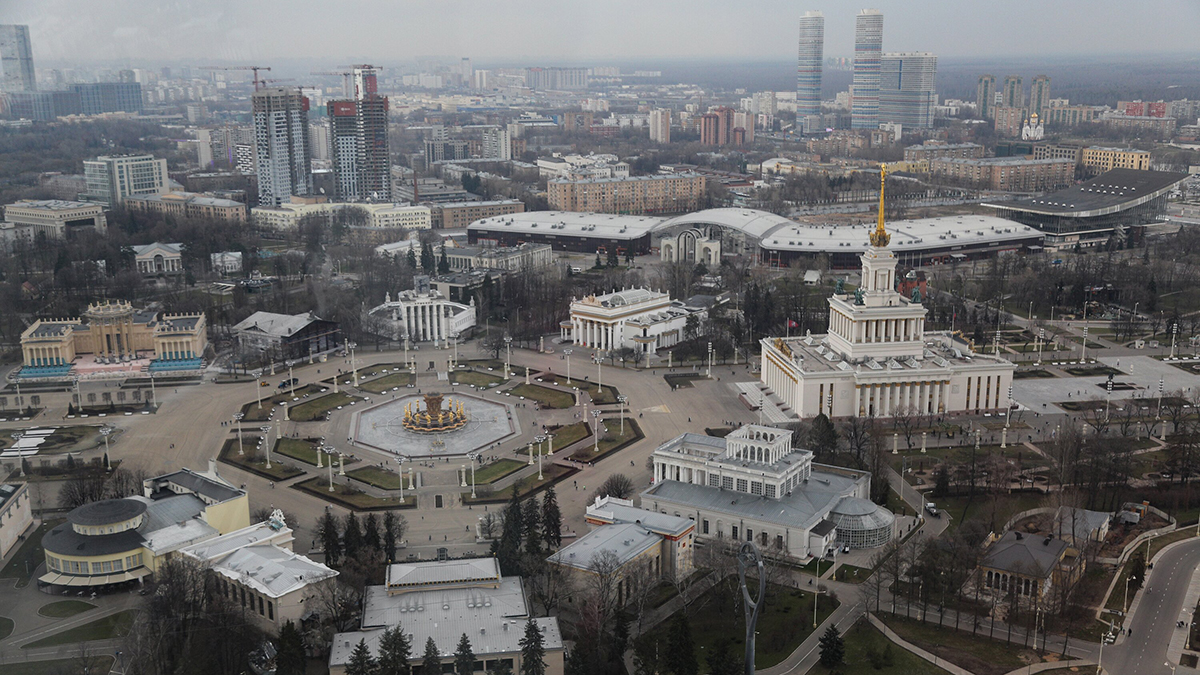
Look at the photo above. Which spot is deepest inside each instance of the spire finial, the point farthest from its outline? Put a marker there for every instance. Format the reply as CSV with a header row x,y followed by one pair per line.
x,y
880,237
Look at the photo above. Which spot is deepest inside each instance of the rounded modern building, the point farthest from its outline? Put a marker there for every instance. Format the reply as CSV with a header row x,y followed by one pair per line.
x,y
99,544
707,235
861,523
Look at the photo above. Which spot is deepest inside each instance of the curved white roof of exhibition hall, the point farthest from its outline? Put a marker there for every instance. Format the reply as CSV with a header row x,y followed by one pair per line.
x,y
751,222
907,235
570,223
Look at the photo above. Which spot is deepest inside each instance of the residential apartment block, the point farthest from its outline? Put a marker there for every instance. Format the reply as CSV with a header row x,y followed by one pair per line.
x,y
1007,173
674,193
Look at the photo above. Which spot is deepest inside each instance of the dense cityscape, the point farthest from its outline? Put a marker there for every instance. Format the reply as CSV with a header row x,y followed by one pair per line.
x,y
868,361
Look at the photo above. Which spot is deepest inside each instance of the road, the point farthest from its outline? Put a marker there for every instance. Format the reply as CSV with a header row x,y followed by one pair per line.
x,y
1152,621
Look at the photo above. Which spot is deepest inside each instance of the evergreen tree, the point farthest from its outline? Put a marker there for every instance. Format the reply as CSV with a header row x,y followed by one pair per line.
x,y
941,482
290,659
411,259
598,263
361,662
724,660
331,538
1137,569
443,266
508,548
394,652
823,438
464,658
532,527
833,648
352,537
431,663
681,652
613,260
428,263
371,533
390,527
551,520
533,653
501,668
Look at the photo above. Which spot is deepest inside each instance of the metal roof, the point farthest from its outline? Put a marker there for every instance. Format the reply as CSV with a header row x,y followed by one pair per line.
x,y
271,570
280,325
1029,555
216,490
570,224
439,572
106,512
488,637
625,540
803,507
506,601
1110,192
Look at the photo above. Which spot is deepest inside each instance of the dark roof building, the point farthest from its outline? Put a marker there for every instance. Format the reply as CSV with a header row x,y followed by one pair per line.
x,y
1116,204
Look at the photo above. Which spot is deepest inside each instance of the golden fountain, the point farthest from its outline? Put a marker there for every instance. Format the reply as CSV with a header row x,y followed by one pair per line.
x,y
433,419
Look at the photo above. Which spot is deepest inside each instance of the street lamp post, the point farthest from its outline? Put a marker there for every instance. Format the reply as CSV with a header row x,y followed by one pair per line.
x,y
596,430
1174,334
816,599
291,379
599,375
454,336
507,355
400,475
539,440
105,431
237,419
258,391
266,432
328,449
567,353
354,365
708,372
473,458
621,400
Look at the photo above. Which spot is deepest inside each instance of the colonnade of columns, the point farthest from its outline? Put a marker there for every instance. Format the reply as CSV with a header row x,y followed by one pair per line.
x,y
888,398
666,470
595,334
424,322
872,331
176,349
44,355
113,339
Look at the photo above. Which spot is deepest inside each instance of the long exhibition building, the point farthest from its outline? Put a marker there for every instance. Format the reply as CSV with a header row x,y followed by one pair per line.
x,y
877,360
708,235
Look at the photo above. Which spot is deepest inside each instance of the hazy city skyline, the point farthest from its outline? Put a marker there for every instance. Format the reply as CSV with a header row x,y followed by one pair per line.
x,y
74,30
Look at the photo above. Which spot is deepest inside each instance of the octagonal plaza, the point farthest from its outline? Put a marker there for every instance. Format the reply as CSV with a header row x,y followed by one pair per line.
x,y
380,427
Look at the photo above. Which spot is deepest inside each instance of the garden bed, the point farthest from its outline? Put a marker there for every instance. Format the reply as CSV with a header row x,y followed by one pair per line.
x,y
253,462
552,398
350,497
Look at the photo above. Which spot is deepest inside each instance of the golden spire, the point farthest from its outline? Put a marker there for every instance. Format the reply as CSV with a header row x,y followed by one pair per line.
x,y
880,237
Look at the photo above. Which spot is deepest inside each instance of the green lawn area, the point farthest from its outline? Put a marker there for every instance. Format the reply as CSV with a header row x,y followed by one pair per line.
x,y
349,496
550,397
1029,374
1092,371
1116,600
572,433
852,574
6,627
981,507
315,408
611,443
99,664
864,639
31,551
64,608
475,377
69,439
550,474
254,462
387,382
786,620
977,653
373,475
297,448
1159,543
112,626
609,395
498,469
272,397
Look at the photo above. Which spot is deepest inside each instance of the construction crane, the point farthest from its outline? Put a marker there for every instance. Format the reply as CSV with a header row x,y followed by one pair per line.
x,y
254,68
347,86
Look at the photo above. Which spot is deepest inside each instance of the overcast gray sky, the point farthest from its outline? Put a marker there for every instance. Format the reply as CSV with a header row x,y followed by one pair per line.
x,y
570,30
